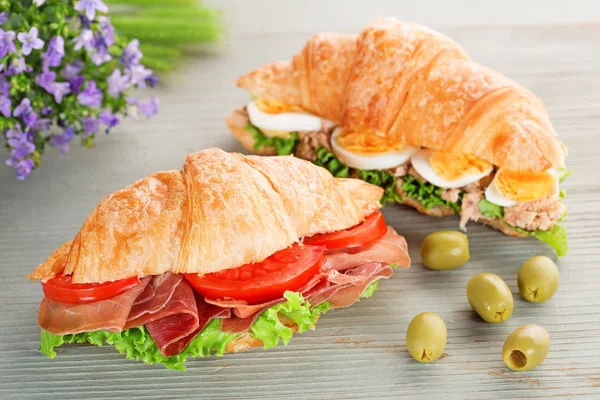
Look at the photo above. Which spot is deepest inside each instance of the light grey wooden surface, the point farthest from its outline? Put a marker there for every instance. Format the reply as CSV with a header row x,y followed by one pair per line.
x,y
553,48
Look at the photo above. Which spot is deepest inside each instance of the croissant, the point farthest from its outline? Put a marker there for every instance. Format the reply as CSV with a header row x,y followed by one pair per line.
x,y
222,211
401,86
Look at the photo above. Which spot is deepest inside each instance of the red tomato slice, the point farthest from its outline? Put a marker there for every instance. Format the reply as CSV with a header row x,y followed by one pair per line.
x,y
288,269
60,289
371,229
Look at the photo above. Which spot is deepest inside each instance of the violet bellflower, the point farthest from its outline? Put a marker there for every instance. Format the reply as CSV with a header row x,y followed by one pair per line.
x,y
30,41
72,69
132,54
62,141
90,7
23,168
7,45
3,17
17,66
55,53
23,108
4,86
108,31
5,106
91,96
84,40
60,89
117,83
76,83
90,126
138,74
109,119
45,80
149,108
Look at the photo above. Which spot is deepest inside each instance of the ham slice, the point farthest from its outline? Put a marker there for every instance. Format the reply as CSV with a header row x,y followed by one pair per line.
x,y
110,314
155,298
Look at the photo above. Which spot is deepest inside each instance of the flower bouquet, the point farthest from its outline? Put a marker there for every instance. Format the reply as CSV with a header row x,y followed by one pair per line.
x,y
64,73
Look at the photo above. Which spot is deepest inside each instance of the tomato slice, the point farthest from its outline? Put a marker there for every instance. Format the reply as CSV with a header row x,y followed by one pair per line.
x,y
60,289
288,269
371,229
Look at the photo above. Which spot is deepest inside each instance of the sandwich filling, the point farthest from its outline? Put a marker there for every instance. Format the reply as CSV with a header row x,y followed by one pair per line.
x,y
168,318
519,203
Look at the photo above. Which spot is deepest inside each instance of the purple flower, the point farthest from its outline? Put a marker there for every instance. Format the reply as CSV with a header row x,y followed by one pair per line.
x,y
15,133
109,119
43,124
30,41
91,96
90,126
62,141
100,56
132,54
90,7
60,89
3,17
138,75
23,168
39,3
30,119
72,69
76,83
46,80
56,51
5,106
152,81
7,44
4,86
117,83
46,110
149,108
21,146
84,40
23,108
17,66
108,31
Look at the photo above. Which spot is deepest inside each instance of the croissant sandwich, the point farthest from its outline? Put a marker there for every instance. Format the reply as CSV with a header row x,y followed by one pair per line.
x,y
232,252
404,107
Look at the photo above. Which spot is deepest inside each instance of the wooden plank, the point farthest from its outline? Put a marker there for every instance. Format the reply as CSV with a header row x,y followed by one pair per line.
x,y
357,352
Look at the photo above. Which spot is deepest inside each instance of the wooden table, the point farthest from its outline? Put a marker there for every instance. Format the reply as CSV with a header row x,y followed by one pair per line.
x,y
357,352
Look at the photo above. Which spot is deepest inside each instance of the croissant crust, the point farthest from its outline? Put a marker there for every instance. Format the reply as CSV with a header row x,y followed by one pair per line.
x,y
222,211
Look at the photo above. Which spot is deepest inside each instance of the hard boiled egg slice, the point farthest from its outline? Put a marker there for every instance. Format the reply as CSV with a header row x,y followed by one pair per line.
x,y
510,188
278,117
449,170
368,150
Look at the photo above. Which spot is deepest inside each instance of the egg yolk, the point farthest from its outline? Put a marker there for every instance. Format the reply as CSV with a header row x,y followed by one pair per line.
x,y
523,185
276,107
366,142
451,166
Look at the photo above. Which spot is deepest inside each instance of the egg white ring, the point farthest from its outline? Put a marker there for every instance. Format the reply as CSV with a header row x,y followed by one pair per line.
x,y
384,160
282,122
420,162
493,195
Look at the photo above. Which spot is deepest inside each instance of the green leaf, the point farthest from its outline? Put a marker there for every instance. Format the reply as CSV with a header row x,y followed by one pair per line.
x,y
282,146
384,179
427,194
269,328
562,194
370,290
490,210
48,342
328,160
563,174
556,238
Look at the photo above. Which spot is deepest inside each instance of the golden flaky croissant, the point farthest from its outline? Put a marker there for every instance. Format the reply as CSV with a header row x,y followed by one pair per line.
x,y
398,87
222,211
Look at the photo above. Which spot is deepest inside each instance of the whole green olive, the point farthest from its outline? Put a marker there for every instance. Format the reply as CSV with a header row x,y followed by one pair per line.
x,y
445,250
538,279
426,337
526,347
490,297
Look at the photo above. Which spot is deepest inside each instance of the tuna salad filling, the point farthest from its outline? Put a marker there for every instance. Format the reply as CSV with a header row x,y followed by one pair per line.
x,y
403,184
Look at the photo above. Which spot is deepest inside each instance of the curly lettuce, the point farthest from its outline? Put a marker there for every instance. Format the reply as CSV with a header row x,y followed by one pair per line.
x,y
427,193
137,344
283,146
329,161
490,209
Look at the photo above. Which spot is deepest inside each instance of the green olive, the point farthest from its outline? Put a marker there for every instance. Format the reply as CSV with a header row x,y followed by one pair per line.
x,y
490,297
526,347
538,279
445,250
426,337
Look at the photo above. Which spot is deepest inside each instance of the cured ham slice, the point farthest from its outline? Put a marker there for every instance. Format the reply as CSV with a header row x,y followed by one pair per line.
x,y
390,249
155,297
110,314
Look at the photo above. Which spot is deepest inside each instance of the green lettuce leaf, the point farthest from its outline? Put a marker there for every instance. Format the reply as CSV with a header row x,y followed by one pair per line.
x,y
427,193
329,161
556,238
282,146
490,210
269,328
370,290
563,174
